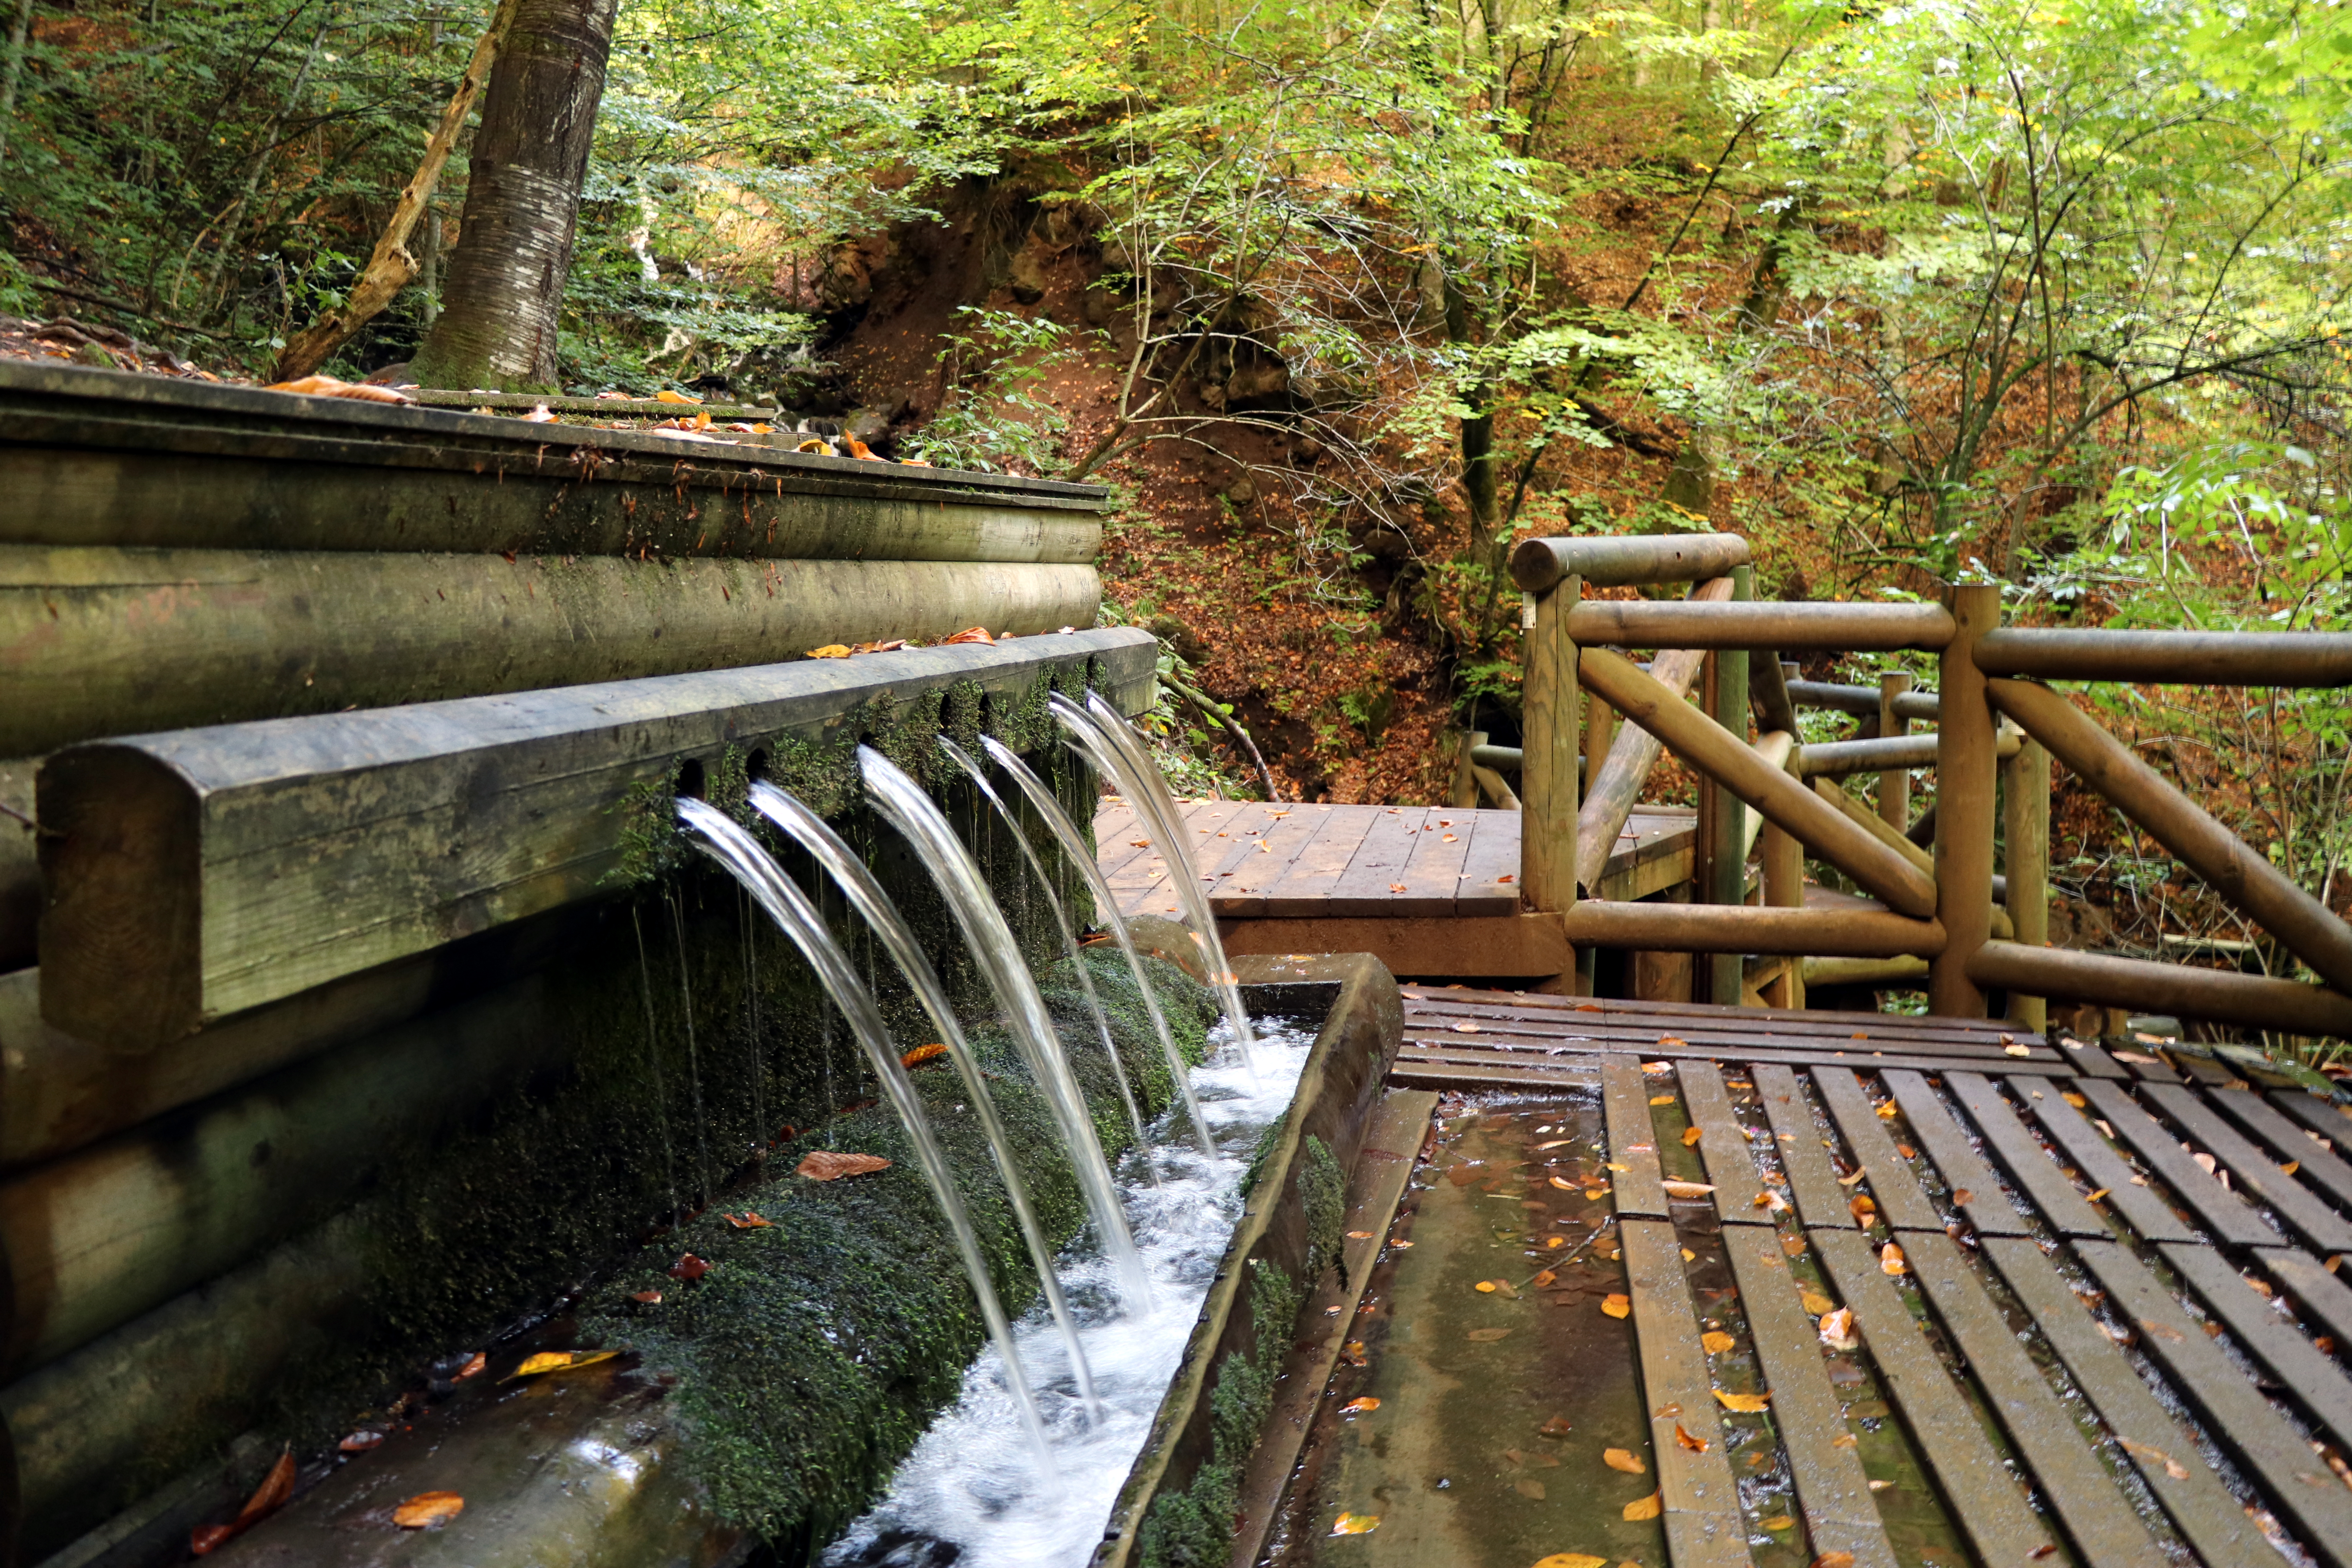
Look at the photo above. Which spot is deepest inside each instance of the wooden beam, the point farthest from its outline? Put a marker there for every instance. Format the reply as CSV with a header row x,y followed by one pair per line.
x,y
2246,880
2221,996
1750,927
1895,783
1712,750
1659,623
1966,742
1524,945
1610,798
1538,565
200,873
2168,659
1836,758
1547,778
1726,849
2025,806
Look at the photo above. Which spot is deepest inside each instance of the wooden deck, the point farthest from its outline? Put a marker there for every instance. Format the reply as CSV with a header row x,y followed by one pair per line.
x,y
2095,1311
1428,890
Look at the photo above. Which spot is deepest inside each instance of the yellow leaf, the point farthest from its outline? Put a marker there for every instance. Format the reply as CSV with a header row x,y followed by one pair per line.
x,y
1849,1180
2017,1050
1615,1166
1572,1560
2071,1098
427,1509
1690,1137
830,651
1716,1342
1889,1112
1815,1303
1685,1189
558,1361
1890,1259
1625,1459
1662,1100
1837,1328
1647,1507
1743,1404
1688,1256
1779,1521
1617,1304
1564,1184
2290,1168
1543,1278
1487,1285
1356,1524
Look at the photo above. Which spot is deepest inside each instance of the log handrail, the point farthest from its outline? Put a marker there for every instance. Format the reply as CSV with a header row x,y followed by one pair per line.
x,y
1750,927
2170,658
2255,1000
1539,565
1759,622
1836,758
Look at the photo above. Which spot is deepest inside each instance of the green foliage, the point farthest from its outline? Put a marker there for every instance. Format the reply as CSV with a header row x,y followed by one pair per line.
x,y
998,414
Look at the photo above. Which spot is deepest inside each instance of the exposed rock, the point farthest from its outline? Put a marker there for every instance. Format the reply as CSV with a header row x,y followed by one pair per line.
x,y
1180,637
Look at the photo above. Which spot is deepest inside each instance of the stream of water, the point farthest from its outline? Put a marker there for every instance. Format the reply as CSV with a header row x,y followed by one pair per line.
x,y
971,1494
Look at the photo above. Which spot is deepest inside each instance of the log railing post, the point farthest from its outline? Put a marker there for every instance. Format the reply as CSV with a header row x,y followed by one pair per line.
x,y
1966,760
1727,860
1895,784
1548,780
2025,801
1784,888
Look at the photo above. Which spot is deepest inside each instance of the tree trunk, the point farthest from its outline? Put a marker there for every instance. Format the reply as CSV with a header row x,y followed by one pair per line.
x,y
505,285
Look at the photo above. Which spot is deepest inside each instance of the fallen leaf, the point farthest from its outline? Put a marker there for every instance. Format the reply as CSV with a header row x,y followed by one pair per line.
x,y
360,1442
1690,1137
1794,1245
1772,1202
1907,1152
1360,1407
1352,1352
1356,1524
1529,1488
1572,1560
2094,1196
831,650
1861,1207
1843,1440
1466,1028
1555,1144
1685,1189
1662,1100
1963,1196
1360,1236
1889,1112
1834,1560
1445,837
473,1367
889,644
1555,1426
970,635
2161,1330
666,395
1880,1486
746,1220
2290,1168
1625,1459
1779,1521
427,1510
2017,1050
649,1298
1837,1328
1683,1436
921,1054
1890,1259
1858,1174
1486,1336
826,1166
561,1361
1508,877
1714,1341
1647,1507
327,386
1688,1256
1743,1404
1814,1302
1563,1184
1543,1278
1396,888
1617,1304
1615,1165
1669,1043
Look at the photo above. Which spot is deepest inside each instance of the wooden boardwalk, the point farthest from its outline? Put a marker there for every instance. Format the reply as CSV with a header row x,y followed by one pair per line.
x,y
2094,1313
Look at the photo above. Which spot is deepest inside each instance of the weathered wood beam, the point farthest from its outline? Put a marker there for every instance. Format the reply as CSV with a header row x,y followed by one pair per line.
x,y
1966,760
1713,750
2221,996
2025,808
2251,884
1547,772
1838,758
197,874
1538,565
110,642
1767,692
2166,658
1761,623
1861,701
1871,971
1849,932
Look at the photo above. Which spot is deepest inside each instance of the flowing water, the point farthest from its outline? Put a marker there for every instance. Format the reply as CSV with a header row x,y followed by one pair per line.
x,y
842,863
1069,936
737,850
902,801
1080,854
969,1496
1107,741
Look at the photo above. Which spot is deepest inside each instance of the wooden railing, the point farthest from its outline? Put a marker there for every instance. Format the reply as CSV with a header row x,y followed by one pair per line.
x,y
1941,909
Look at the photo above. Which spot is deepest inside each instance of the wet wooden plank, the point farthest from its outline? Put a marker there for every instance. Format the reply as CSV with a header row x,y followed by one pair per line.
x,y
2229,1216
1704,1528
2322,1297
2314,1382
1432,872
1986,1501
1306,887
2089,1059
2251,1171
1633,1139
1375,873
1812,1186
2127,1196
1115,835
1411,1069
2106,1533
2321,1116
2021,1155
1723,1146
2144,1067
1832,1489
1490,872
1438,1047
1847,1031
1973,1186
2202,1506
1255,872
1728,1039
1867,1027
2287,1141
1890,1178
2294,1481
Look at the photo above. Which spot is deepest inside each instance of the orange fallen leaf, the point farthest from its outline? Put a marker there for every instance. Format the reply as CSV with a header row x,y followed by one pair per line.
x,y
1572,1560
1794,1245
1685,1189
666,395
327,386
1446,839
1356,1524
275,1489
473,1367
2290,1168
1396,887
1714,1341
1962,1196
1907,1152
1360,1407
1352,1352
2071,1098
1662,1100
1617,1304
360,1442
1670,1042
971,634
1844,1440
1690,1137
1360,1236
1862,1206
921,1054
1779,1521
649,1298
427,1510
746,1220
1513,877
690,1268
1889,1112
1466,1028
1555,1426
1564,1184
1837,1328
1625,1459
1834,1560
828,1165
1647,1507
558,1361
889,644
1814,1302
1544,1278
1890,1259
1743,1404
1849,1180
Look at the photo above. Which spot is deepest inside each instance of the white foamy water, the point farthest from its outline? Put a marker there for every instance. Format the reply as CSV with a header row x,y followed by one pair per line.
x,y
971,1493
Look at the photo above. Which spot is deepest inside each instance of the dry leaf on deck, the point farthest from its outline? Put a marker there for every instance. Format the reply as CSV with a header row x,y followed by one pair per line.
x,y
1962,1196
921,1054
1352,1352
1544,1277
1564,1184
1465,1026
1360,1407
1683,1436
1617,1304
1858,1174
2017,1050
1486,1336
1837,1328
826,1166
971,634
1572,1560
1794,1245
746,1220
1662,1100
559,1361
830,651
1890,1259
473,1367
1862,1206
690,1268
276,1488
327,386
1690,1137
360,1442
1625,1459
647,1298
1814,1302
1743,1404
1360,1236
1356,1524
1834,1560
1647,1507
1555,1426
1889,1112
2071,1098
1714,1341
666,395
428,1509
1778,1521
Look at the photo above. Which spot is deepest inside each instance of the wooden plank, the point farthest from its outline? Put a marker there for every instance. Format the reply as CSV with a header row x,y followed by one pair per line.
x,y
1723,1144
2313,1291
2093,1062
2274,1456
2200,1504
2251,1171
1522,943
2288,1141
1305,888
2315,1384
2106,1533
1376,1186
1489,884
1748,1027
1426,1074
1875,1028
1986,1503
1704,1528
1115,835
1889,1175
2321,1116
1832,1489
1255,872
2021,1155
2222,1212
1973,1186
1633,1139
1812,1184
1453,1047
2126,1194
1367,886
1432,873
